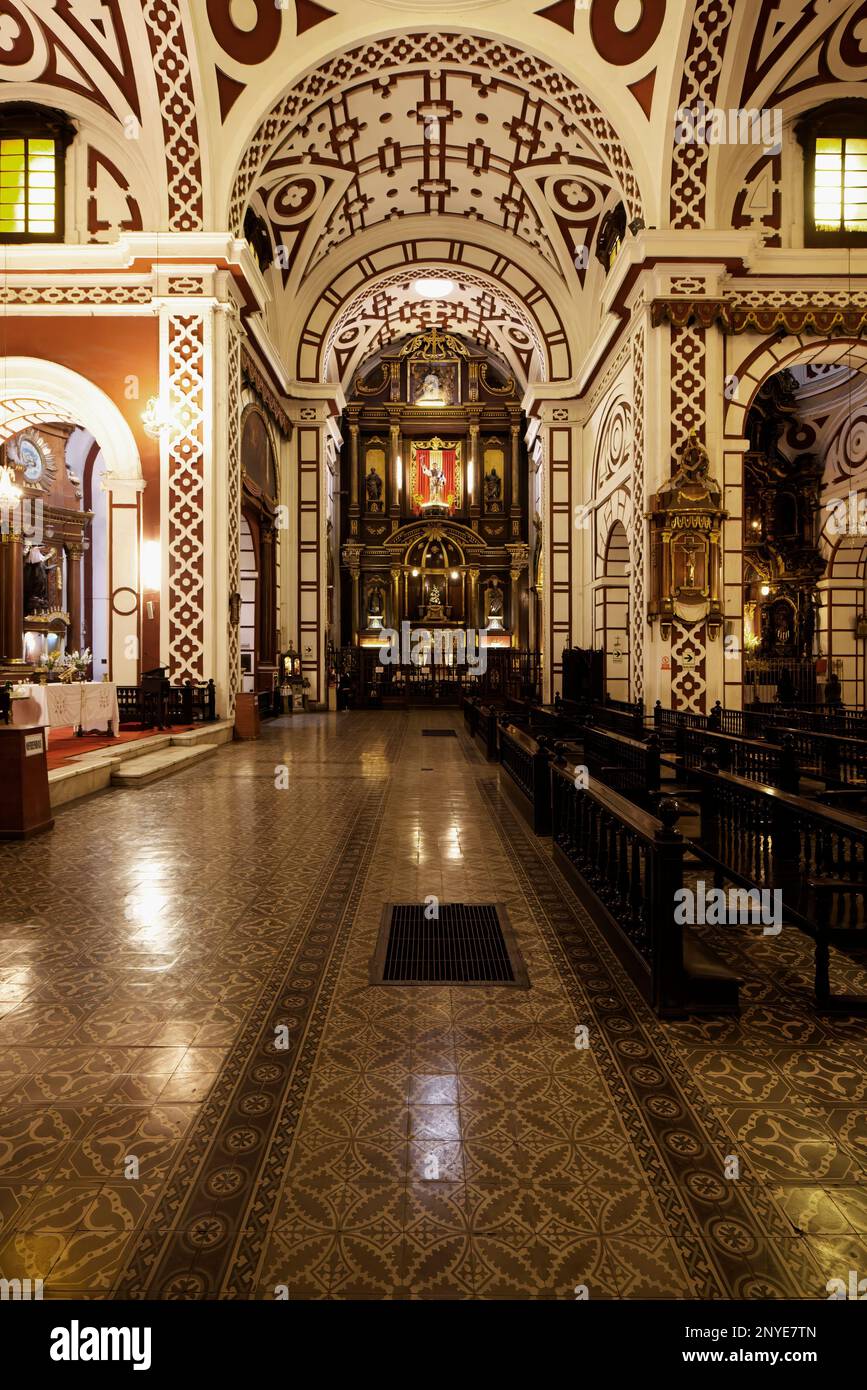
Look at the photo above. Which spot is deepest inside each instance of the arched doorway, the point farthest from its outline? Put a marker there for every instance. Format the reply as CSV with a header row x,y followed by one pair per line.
x,y
259,590
612,620
75,460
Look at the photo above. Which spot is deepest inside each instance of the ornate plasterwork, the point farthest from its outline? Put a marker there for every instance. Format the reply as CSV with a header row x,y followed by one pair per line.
x,y
732,317
233,508
487,65
177,99
185,351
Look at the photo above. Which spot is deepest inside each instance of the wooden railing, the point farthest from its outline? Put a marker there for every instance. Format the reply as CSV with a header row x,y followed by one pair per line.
x,y
155,709
776,765
838,761
624,764
527,762
621,716
627,867
766,839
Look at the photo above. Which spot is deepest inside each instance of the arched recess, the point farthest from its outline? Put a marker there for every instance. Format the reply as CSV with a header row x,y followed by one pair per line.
x,y
613,620
752,368
36,390
259,591
844,605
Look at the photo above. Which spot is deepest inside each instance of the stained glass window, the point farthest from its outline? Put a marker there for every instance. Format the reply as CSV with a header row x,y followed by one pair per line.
x,y
28,186
840,184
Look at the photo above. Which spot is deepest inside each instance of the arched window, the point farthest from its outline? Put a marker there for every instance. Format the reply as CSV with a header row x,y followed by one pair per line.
x,y
611,235
834,138
33,144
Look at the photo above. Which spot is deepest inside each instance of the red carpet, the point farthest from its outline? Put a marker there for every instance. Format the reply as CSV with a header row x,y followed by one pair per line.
x,y
63,746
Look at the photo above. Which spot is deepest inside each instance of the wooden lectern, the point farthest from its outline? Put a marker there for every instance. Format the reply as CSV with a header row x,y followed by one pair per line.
x,y
25,808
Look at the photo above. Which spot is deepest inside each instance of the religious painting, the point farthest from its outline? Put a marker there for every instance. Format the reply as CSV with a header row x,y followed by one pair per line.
x,y
434,383
493,476
374,476
435,475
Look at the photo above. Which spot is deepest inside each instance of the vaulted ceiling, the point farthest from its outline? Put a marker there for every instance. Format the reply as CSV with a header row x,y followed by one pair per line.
x,y
501,127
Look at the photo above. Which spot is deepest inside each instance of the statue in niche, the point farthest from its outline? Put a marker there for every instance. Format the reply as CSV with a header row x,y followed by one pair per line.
x,y
495,601
437,483
493,487
36,569
375,601
373,487
433,597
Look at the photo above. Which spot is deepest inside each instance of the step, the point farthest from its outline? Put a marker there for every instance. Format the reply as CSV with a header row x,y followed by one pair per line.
x,y
120,752
154,766
77,779
218,732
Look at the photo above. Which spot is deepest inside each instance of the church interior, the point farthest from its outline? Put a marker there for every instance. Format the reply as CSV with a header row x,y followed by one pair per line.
x,y
433,650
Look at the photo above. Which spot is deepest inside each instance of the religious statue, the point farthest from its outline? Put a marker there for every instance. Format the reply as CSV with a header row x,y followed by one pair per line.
x,y
495,601
437,483
373,485
374,602
493,487
432,388
36,580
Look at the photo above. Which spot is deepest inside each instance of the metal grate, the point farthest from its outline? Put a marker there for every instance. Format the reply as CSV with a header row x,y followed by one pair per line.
x,y
464,944
438,733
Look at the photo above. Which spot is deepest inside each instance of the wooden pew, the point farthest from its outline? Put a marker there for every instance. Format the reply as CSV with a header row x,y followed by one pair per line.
x,y
621,716
758,761
527,762
626,765
627,866
764,838
841,763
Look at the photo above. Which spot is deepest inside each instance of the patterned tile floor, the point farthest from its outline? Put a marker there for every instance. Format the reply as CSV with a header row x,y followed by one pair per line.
x,y
201,1096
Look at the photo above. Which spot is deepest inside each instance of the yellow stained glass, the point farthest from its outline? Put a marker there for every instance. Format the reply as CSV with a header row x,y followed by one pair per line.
x,y
28,186
840,184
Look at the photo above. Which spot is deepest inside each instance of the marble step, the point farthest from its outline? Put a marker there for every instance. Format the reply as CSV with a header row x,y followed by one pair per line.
x,y
152,767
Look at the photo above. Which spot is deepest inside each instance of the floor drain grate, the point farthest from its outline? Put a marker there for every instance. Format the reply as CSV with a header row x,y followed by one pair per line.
x,y
438,733
464,944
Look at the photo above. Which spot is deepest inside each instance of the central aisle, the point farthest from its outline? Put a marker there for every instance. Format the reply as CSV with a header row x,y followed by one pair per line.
x,y
406,1142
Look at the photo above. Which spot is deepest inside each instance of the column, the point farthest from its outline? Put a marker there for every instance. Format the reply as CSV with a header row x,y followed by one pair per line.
x,y
515,507
353,467
200,377
395,598
126,596
473,610
475,506
394,451
73,598
11,593
267,617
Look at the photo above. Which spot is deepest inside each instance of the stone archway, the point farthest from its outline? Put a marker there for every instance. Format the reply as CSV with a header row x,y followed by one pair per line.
x,y
36,390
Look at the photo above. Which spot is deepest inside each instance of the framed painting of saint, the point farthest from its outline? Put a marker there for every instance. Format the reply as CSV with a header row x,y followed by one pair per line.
x,y
434,384
435,475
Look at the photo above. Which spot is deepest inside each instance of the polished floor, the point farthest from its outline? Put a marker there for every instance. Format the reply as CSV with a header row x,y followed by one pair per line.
x,y
201,1095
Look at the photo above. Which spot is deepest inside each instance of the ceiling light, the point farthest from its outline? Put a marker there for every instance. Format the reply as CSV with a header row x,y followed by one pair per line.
x,y
432,287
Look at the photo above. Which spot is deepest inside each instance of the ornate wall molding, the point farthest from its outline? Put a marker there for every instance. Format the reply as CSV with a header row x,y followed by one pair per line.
x,y
742,318
233,490
257,381
185,370
177,99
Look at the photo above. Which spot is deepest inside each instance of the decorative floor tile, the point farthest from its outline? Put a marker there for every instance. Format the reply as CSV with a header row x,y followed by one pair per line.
x,y
204,1097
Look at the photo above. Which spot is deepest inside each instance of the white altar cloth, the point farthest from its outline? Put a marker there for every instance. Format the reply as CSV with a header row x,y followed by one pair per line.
x,y
87,705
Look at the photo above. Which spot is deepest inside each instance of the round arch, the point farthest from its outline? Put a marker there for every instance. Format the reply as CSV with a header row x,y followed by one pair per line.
x,y
37,390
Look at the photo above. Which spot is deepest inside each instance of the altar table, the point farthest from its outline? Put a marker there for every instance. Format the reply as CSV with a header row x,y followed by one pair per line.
x,y
89,706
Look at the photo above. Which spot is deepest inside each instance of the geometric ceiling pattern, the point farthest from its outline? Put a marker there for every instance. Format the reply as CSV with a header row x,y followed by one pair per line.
x,y
191,109
375,317
441,144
